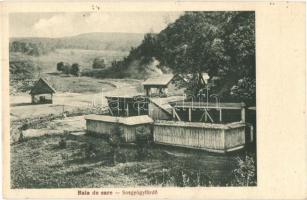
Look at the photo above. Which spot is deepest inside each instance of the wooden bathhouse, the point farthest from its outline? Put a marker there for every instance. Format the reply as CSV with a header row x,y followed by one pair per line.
x,y
175,120
157,86
42,92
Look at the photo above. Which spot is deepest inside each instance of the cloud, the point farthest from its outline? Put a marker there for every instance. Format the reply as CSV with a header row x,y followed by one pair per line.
x,y
67,24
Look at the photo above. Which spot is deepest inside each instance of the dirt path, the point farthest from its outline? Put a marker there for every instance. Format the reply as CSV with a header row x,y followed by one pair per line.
x,y
21,106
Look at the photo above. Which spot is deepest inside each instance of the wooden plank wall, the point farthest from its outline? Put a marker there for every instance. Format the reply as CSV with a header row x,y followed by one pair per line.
x,y
100,127
234,137
157,113
211,139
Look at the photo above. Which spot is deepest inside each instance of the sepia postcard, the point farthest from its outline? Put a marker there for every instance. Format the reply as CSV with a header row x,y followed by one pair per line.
x,y
154,100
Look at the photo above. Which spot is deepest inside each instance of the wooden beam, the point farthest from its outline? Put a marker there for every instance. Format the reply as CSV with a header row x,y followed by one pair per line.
x,y
190,115
139,109
176,114
251,133
209,115
127,111
221,118
202,116
243,114
109,110
173,112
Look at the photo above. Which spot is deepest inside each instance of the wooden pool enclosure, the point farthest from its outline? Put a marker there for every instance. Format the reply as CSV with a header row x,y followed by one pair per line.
x,y
103,124
172,120
219,138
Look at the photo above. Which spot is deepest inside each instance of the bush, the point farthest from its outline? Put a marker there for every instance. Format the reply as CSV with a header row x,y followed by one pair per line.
x,y
99,63
75,69
115,140
60,66
62,143
67,69
143,138
245,172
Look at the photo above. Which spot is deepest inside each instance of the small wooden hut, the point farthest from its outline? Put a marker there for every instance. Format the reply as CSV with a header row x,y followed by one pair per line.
x,y
42,92
158,85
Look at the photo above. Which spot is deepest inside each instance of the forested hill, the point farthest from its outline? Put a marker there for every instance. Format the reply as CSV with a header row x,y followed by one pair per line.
x,y
219,43
92,41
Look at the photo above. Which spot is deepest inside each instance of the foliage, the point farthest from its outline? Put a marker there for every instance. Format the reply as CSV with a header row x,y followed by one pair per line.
x,y
115,140
245,172
75,69
245,89
221,44
22,75
93,41
66,68
98,63
23,69
143,137
30,48
60,66
184,173
62,143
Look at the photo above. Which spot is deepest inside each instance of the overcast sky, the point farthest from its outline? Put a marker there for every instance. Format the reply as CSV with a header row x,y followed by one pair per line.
x,y
68,24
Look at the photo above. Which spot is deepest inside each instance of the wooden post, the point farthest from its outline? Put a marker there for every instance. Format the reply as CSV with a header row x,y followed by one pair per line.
x,y
243,112
190,114
173,111
127,110
138,109
251,133
221,115
206,115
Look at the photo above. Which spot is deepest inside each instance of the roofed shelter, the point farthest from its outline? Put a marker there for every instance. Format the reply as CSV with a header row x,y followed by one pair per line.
x,y
42,92
158,83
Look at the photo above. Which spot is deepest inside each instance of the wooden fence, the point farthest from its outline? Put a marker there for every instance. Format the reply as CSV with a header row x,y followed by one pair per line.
x,y
105,125
210,137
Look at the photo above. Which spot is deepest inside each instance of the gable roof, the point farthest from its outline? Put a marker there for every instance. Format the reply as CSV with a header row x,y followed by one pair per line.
x,y
42,87
162,80
133,120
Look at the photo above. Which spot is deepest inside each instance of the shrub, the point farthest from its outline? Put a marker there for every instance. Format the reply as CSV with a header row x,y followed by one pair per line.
x,y
143,138
115,140
75,69
60,66
62,143
90,151
99,63
245,172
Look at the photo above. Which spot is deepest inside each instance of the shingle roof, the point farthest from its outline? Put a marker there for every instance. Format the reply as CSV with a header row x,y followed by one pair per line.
x,y
133,120
42,87
162,80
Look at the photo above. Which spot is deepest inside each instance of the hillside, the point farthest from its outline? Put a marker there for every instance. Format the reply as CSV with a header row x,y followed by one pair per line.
x,y
88,41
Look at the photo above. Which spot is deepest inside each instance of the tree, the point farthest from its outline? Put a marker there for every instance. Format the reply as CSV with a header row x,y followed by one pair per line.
x,y
60,66
98,63
67,68
75,69
221,44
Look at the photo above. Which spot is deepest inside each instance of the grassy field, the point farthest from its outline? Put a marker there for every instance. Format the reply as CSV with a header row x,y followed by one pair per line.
x,y
41,163
84,57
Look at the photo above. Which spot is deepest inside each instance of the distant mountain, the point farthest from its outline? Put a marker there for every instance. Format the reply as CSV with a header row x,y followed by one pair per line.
x,y
90,41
